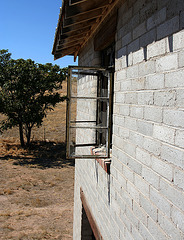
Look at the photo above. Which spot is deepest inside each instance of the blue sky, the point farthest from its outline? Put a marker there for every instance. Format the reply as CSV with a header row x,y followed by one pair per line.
x,y
27,29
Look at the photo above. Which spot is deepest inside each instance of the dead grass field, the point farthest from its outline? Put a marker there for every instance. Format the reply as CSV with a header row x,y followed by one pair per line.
x,y
36,185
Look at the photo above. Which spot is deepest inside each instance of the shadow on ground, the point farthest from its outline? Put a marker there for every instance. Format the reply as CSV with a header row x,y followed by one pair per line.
x,y
40,154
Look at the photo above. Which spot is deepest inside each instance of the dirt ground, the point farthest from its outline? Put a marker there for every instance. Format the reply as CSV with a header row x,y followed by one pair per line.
x,y
36,185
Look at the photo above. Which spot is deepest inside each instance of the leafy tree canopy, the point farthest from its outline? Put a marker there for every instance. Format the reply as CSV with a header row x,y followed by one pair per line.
x,y
27,91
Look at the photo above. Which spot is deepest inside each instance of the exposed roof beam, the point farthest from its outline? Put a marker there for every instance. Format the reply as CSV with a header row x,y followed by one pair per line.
x,y
79,26
76,32
82,8
73,2
93,14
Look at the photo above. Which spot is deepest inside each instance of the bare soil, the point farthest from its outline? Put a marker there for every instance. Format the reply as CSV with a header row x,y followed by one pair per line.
x,y
36,184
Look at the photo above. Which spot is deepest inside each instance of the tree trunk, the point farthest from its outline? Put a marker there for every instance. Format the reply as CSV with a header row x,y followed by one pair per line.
x,y
28,135
21,135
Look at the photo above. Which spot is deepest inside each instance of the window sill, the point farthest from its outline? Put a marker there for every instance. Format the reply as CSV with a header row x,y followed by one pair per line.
x,y
104,162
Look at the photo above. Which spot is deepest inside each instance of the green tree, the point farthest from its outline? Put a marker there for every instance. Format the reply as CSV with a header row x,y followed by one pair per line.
x,y
27,91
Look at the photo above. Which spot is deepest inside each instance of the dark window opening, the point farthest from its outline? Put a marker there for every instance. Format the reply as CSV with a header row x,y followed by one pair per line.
x,y
86,233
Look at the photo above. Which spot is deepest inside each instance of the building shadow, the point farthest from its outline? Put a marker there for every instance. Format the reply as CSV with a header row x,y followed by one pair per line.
x,y
40,154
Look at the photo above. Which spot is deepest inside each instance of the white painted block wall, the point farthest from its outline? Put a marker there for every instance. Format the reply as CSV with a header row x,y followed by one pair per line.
x,y
143,197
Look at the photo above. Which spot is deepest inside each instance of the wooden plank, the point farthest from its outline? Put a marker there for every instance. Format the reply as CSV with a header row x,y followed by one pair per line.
x,y
96,26
69,44
74,33
73,2
79,26
90,217
93,14
83,7
66,51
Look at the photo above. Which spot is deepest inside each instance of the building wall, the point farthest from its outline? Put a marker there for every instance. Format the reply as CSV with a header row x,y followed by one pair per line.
x,y
142,198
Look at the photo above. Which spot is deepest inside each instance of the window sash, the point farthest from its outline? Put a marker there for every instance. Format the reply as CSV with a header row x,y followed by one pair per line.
x,y
82,124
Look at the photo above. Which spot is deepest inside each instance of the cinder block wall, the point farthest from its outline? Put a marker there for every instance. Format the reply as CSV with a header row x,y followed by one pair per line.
x,y
143,197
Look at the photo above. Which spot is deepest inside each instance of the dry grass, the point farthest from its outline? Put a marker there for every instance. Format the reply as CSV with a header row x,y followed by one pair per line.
x,y
36,185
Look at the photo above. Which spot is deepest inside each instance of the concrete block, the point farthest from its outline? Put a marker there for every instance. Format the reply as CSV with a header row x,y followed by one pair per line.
x,y
164,133
140,213
143,156
131,98
124,63
142,185
132,190
148,207
136,235
145,98
151,177
182,20
147,68
132,72
118,63
136,112
151,145
126,39
121,75
168,226
174,79
179,138
145,233
156,19
146,128
173,155
119,97
122,52
153,114
129,148
138,56
177,217
168,27
156,49
158,200
124,133
133,218
181,59
172,194
117,86
155,81
166,63
179,178
124,110
148,38
129,174
178,40
156,231
138,83
136,138
135,166
131,123
163,168
165,98
139,30
133,46
174,118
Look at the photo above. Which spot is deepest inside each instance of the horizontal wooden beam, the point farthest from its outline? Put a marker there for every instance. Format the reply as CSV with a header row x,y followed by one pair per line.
x,y
73,2
79,26
81,8
74,33
69,44
93,14
90,217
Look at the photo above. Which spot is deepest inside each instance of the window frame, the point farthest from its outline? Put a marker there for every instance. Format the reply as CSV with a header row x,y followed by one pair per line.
x,y
97,71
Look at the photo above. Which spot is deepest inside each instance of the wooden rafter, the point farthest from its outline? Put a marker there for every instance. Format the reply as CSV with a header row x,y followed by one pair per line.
x,y
79,20
81,8
92,14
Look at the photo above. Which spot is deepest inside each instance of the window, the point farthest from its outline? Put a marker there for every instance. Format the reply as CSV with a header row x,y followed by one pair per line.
x,y
89,112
